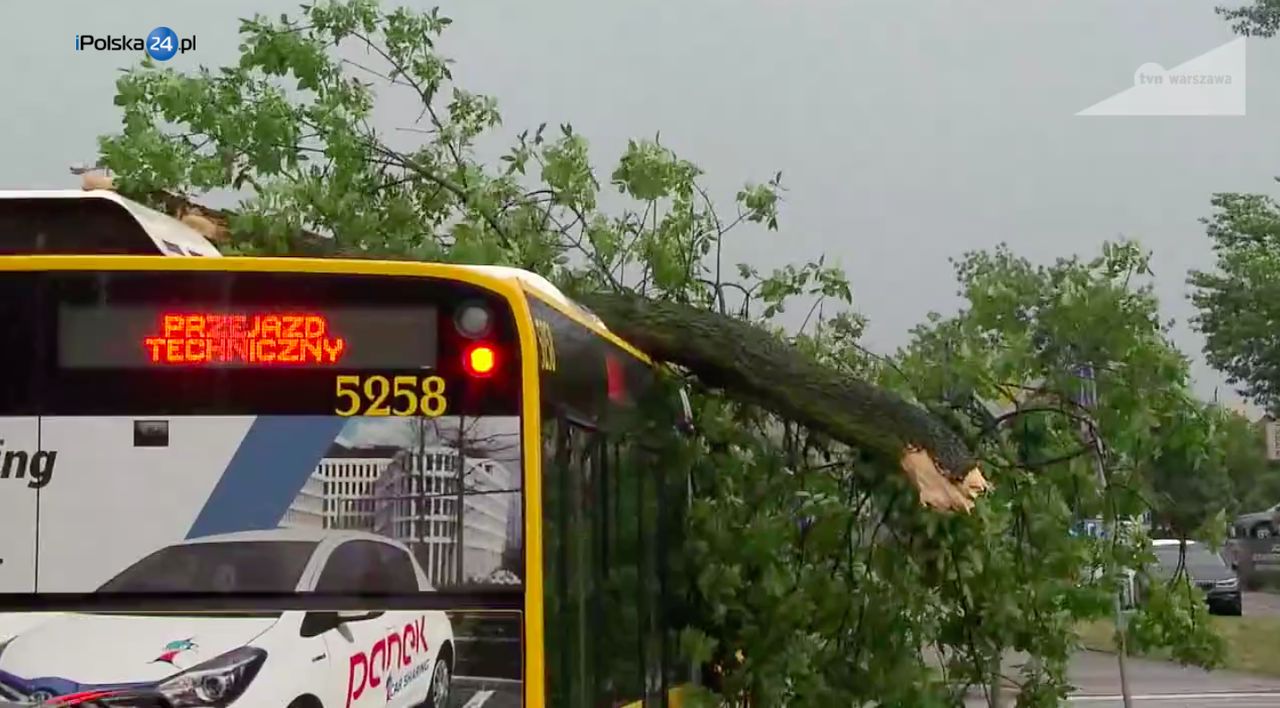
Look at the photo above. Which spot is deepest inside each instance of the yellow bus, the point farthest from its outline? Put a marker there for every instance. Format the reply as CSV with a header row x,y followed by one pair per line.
x,y
294,483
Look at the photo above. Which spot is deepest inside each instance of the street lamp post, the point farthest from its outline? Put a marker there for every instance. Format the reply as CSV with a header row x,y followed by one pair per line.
x,y
1089,400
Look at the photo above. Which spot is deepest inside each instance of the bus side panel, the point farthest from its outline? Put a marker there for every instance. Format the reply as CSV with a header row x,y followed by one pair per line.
x,y
20,488
610,534
125,486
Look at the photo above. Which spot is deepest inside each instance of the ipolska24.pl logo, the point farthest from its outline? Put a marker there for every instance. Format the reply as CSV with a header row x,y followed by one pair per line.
x,y
161,44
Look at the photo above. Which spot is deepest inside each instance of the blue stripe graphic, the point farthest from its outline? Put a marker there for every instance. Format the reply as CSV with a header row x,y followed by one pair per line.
x,y
59,686
273,461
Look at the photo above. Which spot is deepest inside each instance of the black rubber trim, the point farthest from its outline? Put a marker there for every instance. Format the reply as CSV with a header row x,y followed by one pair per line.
x,y
251,602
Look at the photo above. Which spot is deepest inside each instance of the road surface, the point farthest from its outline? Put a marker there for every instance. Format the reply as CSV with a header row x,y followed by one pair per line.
x,y
1186,700
1259,604
1158,684
1153,684
484,693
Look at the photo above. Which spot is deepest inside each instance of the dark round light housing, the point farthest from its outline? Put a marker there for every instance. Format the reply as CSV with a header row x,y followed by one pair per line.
x,y
473,321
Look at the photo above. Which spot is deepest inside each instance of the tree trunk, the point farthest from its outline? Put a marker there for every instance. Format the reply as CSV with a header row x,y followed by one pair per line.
x,y
750,363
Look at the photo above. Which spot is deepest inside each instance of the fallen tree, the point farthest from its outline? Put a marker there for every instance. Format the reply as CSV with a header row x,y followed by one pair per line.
x,y
744,360
787,546
750,363
822,569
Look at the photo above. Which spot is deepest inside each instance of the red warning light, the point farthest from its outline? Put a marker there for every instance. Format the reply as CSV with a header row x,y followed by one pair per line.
x,y
617,378
266,339
480,360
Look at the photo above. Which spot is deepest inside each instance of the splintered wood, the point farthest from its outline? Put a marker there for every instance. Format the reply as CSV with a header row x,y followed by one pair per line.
x,y
936,490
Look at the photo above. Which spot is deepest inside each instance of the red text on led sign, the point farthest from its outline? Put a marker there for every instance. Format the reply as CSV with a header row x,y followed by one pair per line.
x,y
268,339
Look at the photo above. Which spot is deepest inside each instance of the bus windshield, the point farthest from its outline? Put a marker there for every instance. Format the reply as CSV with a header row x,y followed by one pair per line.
x,y
257,432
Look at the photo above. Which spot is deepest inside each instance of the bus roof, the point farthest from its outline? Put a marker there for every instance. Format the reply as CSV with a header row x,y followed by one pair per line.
x,y
544,290
170,236
539,285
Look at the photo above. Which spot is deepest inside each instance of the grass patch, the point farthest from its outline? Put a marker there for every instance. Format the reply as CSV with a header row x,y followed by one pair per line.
x,y
1253,643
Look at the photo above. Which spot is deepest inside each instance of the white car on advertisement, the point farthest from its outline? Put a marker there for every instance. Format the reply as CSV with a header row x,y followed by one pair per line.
x,y
281,659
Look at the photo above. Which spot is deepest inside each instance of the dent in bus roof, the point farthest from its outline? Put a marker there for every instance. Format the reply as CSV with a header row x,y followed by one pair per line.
x,y
158,226
544,289
541,286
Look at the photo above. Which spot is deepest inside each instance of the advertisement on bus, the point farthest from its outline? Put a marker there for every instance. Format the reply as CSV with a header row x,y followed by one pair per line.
x,y
257,507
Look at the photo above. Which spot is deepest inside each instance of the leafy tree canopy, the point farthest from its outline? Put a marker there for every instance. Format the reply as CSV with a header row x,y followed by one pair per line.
x,y
1261,19
1236,298
808,555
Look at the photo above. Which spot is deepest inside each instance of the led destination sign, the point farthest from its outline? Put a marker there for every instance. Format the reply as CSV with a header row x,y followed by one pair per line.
x,y
215,338
127,336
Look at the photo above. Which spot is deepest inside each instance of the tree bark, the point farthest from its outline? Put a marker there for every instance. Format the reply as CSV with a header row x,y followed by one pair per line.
x,y
750,363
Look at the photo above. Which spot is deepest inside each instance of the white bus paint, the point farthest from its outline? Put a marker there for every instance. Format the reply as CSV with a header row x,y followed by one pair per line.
x,y
19,506
103,478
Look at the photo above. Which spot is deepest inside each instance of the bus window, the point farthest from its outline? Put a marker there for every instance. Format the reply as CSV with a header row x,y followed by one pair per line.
x,y
50,226
611,535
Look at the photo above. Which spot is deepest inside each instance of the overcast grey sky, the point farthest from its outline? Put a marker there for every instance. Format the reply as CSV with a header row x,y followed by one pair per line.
x,y
907,132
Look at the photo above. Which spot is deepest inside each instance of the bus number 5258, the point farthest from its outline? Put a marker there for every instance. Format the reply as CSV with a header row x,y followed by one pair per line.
x,y
382,396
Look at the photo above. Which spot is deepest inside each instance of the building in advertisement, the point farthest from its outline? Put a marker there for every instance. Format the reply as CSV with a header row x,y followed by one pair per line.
x,y
308,509
346,476
415,501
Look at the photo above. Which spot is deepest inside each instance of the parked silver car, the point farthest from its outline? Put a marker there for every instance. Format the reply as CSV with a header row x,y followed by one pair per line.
x,y
1203,567
1258,524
